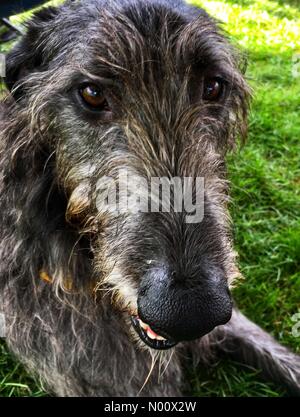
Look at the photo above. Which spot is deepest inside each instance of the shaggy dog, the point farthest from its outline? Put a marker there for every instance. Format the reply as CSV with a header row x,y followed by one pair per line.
x,y
102,302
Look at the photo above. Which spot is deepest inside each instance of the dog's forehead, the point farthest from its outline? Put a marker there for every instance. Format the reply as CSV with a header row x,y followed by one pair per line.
x,y
122,32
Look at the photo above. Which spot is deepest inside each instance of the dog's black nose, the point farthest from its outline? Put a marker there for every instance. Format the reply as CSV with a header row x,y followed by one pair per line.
x,y
181,308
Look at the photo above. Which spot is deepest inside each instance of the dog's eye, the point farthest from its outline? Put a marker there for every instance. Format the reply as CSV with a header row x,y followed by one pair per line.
x,y
93,97
212,89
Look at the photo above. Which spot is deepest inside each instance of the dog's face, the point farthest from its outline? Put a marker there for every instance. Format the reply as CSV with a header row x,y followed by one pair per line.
x,y
143,91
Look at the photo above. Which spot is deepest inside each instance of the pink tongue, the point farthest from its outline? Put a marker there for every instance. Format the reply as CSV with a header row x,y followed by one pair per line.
x,y
149,330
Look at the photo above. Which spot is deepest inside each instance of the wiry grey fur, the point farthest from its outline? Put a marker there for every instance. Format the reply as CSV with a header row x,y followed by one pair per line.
x,y
155,53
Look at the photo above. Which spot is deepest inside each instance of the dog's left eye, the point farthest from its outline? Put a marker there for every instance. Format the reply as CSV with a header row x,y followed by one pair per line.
x,y
93,97
212,89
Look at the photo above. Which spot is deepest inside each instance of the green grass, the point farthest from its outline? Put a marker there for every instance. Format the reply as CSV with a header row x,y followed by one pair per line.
x,y
265,177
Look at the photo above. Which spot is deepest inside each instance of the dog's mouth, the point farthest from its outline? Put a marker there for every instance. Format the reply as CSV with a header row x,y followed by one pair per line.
x,y
149,337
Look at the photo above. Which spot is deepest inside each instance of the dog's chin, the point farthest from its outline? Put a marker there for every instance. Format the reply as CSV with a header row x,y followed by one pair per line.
x,y
149,337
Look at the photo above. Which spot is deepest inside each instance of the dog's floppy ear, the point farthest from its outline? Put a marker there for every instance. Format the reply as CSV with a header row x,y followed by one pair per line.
x,y
27,57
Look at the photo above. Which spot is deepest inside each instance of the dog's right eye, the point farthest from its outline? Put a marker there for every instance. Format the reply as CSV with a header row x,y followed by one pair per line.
x,y
212,89
93,97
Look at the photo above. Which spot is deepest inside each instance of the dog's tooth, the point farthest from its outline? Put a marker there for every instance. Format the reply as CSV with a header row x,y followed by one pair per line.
x,y
153,335
160,338
143,325
150,332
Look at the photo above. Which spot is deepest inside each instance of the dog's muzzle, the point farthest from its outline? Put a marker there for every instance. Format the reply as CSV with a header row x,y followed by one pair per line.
x,y
173,308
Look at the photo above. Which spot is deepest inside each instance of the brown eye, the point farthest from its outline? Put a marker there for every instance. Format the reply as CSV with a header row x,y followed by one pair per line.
x,y
93,96
212,89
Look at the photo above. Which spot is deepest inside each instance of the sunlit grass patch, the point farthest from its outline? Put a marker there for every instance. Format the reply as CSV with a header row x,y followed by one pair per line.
x,y
258,25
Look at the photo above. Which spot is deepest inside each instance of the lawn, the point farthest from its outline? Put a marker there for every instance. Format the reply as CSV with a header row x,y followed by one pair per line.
x,y
265,176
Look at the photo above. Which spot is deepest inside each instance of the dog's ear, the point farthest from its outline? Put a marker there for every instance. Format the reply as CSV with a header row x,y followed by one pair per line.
x,y
27,56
